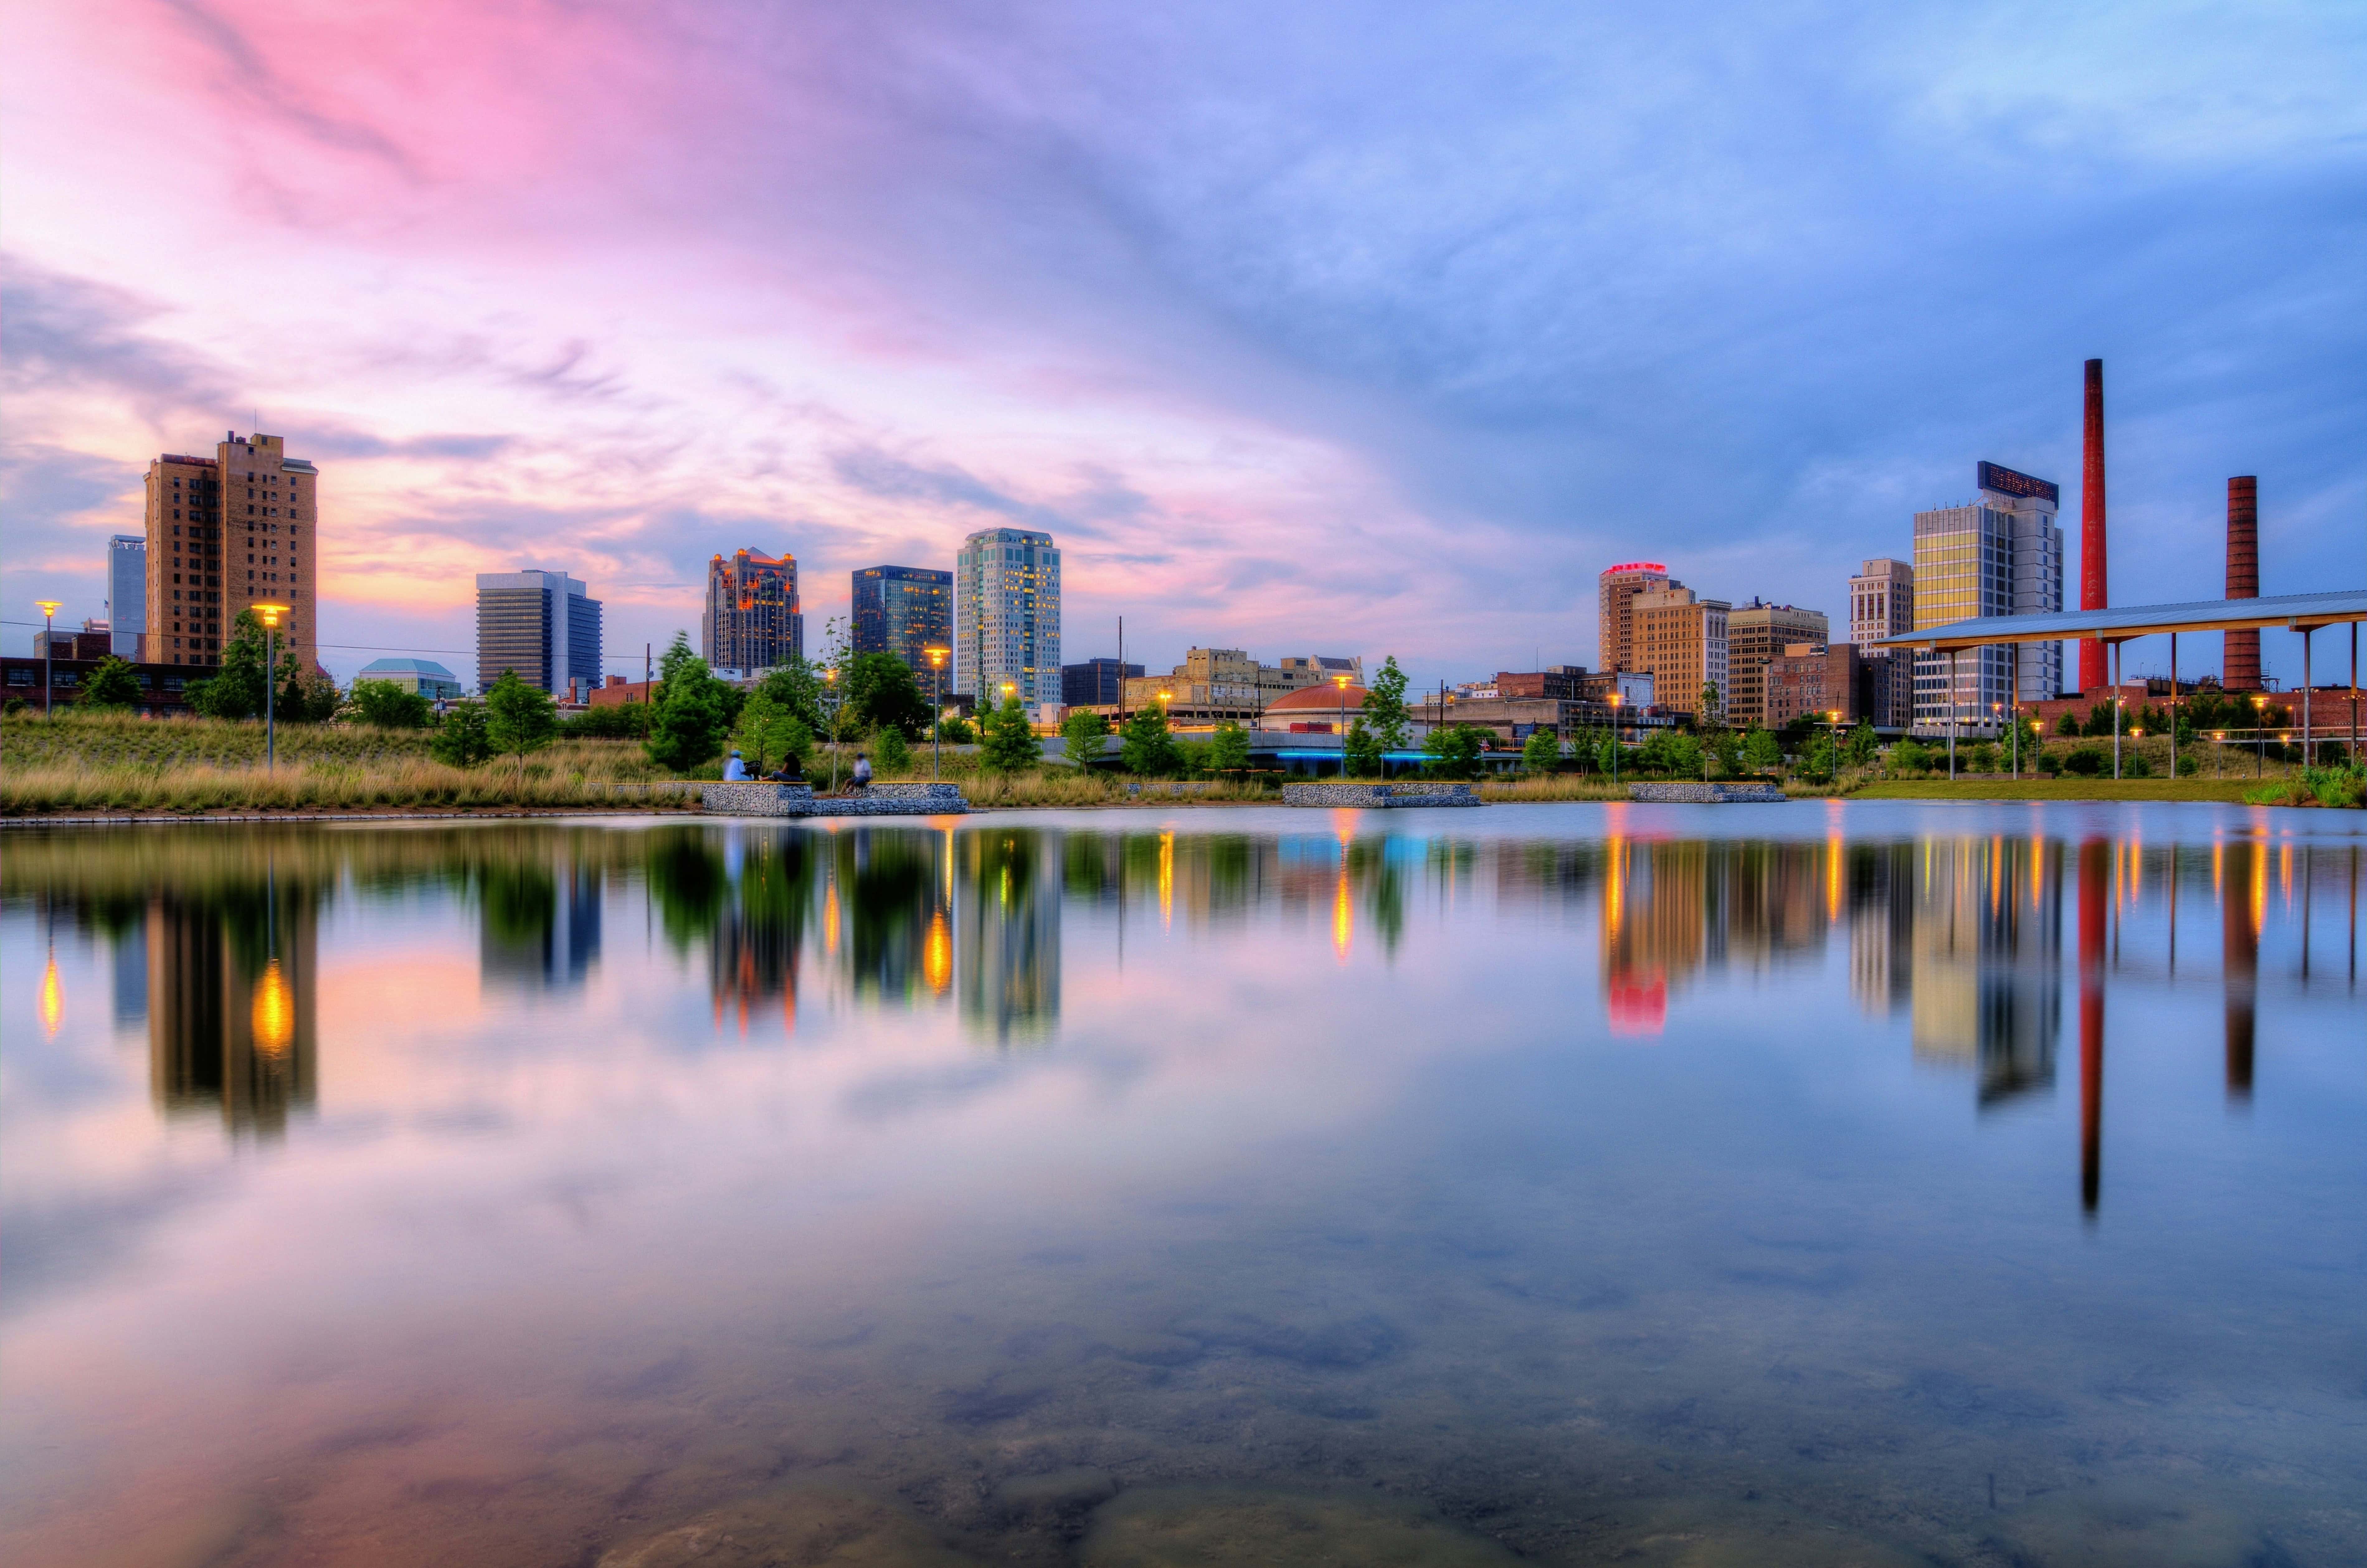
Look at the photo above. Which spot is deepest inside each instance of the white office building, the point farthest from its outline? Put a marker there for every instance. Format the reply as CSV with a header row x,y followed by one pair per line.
x,y
1998,554
1007,617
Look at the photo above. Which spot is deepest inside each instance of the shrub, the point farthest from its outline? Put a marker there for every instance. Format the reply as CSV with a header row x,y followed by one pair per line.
x,y
388,705
2134,766
2085,761
462,740
957,731
1541,753
114,684
1453,751
610,721
890,753
1910,756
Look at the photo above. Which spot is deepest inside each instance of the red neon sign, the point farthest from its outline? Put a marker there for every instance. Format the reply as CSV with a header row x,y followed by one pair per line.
x,y
1651,566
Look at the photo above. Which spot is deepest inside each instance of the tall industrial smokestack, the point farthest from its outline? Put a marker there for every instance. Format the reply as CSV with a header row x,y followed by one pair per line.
x,y
2092,592
2239,657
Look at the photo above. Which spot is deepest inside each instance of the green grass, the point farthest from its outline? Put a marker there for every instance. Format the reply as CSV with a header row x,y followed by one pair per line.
x,y
2229,791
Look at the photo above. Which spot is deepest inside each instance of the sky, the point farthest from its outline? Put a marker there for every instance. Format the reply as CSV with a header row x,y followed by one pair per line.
x,y
1344,329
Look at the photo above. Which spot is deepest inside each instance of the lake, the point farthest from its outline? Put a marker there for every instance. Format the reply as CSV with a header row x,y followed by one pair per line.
x,y
1875,1183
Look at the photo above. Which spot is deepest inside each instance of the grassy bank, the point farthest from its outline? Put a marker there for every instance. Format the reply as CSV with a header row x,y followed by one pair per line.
x,y
2225,791
83,764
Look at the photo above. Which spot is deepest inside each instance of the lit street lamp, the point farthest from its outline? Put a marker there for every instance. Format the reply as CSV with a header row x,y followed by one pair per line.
x,y
937,692
1614,737
1341,682
48,607
2259,735
270,614
837,705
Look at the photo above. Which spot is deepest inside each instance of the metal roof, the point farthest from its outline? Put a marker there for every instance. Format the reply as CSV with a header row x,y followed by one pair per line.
x,y
2296,612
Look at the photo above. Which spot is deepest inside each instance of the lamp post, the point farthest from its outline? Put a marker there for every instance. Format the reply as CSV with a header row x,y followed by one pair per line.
x,y
48,607
1615,735
937,697
2259,735
1342,682
836,705
269,614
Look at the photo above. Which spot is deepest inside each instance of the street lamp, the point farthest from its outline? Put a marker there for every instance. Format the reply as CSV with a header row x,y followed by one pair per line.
x,y
937,695
270,614
837,705
48,607
1341,682
1615,737
2259,735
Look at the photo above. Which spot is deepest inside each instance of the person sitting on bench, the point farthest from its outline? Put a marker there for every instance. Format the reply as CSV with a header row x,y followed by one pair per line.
x,y
862,780
734,770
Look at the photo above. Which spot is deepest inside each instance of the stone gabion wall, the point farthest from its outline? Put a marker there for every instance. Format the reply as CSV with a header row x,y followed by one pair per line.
x,y
1704,794
1378,796
767,799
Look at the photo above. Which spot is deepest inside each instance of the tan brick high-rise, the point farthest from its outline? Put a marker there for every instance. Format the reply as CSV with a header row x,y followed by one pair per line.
x,y
226,531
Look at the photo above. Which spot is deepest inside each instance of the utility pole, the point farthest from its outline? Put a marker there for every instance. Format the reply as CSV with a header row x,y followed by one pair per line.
x,y
645,691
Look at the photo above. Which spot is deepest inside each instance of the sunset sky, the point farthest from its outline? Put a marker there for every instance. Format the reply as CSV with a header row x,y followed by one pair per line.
x,y
1355,328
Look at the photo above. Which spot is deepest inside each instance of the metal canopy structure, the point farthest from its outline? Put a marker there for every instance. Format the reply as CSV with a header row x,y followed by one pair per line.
x,y
2291,611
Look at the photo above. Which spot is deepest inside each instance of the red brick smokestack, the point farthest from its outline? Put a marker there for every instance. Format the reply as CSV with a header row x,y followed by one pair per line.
x,y
2092,593
2239,658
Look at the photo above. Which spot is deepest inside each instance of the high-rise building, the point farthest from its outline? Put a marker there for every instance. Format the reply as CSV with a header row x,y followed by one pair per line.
x,y
906,611
1097,683
1755,634
1007,616
1882,600
541,625
751,620
1681,637
1616,590
227,532
1881,604
1999,554
127,595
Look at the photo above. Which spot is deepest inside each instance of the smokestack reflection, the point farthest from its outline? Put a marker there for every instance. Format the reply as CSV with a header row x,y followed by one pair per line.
x,y
2095,891
2240,906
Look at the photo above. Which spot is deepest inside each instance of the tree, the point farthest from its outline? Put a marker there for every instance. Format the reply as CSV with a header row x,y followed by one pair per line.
x,y
1148,749
1007,742
235,688
1453,751
1818,758
2067,725
1360,751
1082,732
1725,746
519,719
1228,748
796,688
1541,753
608,721
462,740
1910,756
1760,752
1711,710
768,734
114,684
881,694
388,705
1384,712
1862,746
957,731
1607,756
692,717
890,752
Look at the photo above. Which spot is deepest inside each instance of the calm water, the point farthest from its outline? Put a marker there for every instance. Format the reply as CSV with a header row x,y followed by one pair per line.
x,y
1879,1184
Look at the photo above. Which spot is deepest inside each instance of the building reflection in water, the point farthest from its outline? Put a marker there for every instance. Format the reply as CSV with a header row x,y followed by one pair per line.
x,y
540,923
1985,972
231,975
2243,892
1007,932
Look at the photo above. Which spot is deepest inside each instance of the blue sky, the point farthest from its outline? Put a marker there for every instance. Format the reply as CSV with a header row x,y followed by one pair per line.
x,y
1369,329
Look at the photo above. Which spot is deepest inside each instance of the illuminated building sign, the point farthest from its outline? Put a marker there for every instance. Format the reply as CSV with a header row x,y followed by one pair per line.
x,y
1657,570
2005,481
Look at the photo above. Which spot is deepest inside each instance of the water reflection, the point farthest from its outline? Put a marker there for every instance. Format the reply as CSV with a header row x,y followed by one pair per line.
x,y
1259,1148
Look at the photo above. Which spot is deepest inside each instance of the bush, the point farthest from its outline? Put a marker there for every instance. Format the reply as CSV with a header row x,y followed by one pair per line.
x,y
462,739
1910,756
114,684
957,731
388,705
1541,753
890,753
1008,741
1453,752
1982,759
2188,766
1228,748
613,721
2085,760
2134,766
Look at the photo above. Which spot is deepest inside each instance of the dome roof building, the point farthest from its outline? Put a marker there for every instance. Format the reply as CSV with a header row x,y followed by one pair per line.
x,y
1319,700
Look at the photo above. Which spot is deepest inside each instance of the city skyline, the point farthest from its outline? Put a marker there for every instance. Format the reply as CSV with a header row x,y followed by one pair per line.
x,y
1298,381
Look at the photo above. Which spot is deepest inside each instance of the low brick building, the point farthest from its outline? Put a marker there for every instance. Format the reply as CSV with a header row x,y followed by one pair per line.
x,y
163,687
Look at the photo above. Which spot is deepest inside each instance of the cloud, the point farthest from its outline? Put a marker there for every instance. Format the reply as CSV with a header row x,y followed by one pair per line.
x,y
1381,330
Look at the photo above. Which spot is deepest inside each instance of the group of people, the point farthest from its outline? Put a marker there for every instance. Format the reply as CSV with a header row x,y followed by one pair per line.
x,y
791,771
